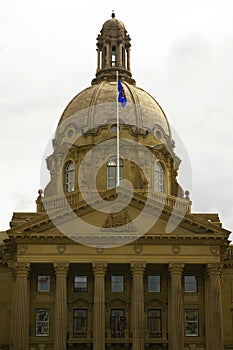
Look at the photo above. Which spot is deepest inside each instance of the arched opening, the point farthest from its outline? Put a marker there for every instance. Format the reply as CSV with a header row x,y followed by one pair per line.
x,y
112,172
123,56
69,177
114,56
160,183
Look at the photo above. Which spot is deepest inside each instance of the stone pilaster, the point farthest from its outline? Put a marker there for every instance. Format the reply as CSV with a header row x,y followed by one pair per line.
x,y
138,324
176,334
99,270
214,322
60,317
21,316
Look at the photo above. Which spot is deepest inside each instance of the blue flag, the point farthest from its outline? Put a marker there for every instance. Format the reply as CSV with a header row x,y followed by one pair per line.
x,y
121,96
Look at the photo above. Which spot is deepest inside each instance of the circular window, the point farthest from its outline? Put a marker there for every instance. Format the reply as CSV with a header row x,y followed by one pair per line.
x,y
70,133
158,134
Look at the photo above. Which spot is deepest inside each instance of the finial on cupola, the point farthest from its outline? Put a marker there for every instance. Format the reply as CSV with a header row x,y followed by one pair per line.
x,y
113,14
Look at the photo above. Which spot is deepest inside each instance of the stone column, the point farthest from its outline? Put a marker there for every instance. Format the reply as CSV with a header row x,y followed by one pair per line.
x,y
138,324
21,316
60,315
107,57
128,59
98,59
176,336
214,322
99,270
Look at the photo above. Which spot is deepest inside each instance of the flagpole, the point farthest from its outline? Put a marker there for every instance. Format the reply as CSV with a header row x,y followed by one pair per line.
x,y
118,137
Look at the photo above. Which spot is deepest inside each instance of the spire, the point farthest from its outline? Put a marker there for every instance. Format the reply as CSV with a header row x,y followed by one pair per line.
x,y
113,52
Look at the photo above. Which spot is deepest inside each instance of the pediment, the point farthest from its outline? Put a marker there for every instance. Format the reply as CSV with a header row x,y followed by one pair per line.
x,y
109,220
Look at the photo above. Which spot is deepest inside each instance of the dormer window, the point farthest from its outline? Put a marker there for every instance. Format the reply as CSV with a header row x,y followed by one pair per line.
x,y
114,56
160,184
69,177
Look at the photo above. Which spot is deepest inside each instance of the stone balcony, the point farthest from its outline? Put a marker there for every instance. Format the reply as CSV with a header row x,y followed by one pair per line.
x,y
54,203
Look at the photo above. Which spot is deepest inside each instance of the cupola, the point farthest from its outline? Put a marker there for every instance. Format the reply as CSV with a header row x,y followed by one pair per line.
x,y
113,52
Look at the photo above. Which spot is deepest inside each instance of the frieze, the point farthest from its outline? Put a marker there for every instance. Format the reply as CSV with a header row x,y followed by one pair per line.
x,y
99,250
22,249
138,248
175,249
214,250
61,249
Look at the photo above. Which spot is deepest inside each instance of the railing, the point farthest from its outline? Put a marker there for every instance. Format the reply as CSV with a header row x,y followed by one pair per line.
x,y
155,335
180,204
54,203
150,336
80,335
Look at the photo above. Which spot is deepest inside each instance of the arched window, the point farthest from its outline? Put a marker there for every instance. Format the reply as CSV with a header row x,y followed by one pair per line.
x,y
112,172
113,56
160,184
69,177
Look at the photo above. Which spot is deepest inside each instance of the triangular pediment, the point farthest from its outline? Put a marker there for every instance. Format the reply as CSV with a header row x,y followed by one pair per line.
x,y
112,218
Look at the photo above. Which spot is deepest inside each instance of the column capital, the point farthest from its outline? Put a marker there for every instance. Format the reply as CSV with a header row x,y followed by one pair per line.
x,y
176,268
99,268
137,267
22,269
214,270
61,268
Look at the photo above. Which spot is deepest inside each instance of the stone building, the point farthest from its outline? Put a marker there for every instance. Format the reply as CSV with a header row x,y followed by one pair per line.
x,y
102,265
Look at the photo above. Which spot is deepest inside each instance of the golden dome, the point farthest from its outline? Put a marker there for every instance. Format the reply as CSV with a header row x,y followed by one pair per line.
x,y
96,106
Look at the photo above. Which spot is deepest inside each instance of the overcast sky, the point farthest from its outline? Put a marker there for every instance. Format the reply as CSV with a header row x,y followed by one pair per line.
x,y
182,54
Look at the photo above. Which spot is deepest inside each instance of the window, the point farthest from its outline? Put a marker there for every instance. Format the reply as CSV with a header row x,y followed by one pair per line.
x,y
112,172
154,283
43,283
190,284
42,322
114,128
191,323
80,323
117,323
117,283
69,177
80,284
154,323
113,56
159,178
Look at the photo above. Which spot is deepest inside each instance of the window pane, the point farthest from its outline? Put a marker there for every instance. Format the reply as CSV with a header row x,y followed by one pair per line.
x,y
80,323
159,178
112,172
69,177
43,283
42,322
191,323
80,284
117,283
117,323
154,323
154,283
190,284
